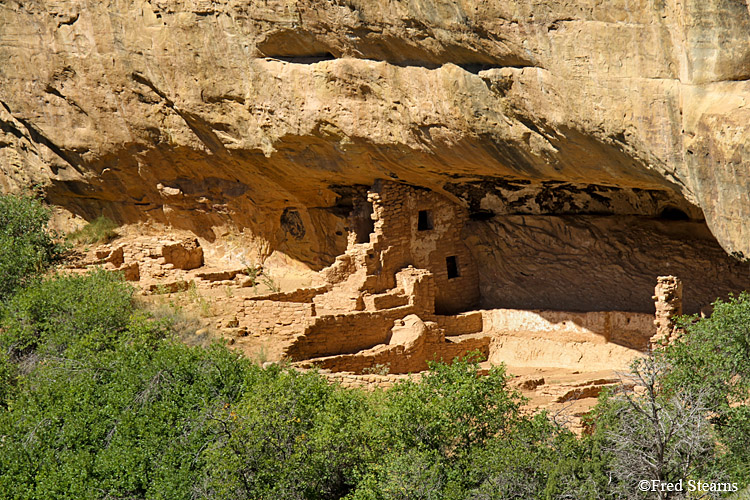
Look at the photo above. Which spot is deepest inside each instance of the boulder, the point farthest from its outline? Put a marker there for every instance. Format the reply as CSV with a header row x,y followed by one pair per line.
x,y
186,254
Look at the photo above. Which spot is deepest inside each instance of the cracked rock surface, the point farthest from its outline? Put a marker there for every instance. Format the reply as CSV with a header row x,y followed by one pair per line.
x,y
263,115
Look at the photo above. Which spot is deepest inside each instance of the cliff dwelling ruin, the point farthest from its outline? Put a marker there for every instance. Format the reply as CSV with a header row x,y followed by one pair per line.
x,y
563,299
428,276
408,290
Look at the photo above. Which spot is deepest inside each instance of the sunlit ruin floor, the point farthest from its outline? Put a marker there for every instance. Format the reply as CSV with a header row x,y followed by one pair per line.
x,y
564,301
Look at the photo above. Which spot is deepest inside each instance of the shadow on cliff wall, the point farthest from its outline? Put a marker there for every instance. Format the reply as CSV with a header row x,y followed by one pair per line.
x,y
598,263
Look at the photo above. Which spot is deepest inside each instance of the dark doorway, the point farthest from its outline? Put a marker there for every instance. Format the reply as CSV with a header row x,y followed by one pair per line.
x,y
451,263
363,223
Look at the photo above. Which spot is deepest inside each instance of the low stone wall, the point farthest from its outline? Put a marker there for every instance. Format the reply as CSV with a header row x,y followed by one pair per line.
x,y
267,317
461,324
385,301
516,351
451,348
299,295
602,340
631,330
345,333
386,357
368,382
398,360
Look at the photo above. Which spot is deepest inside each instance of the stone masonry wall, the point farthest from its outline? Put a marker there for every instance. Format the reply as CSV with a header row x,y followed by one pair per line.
x,y
397,359
299,295
450,349
399,241
631,330
345,333
368,382
668,303
277,318
460,324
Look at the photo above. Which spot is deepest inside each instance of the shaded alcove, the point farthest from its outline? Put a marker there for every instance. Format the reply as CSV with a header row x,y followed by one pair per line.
x,y
673,213
361,222
598,263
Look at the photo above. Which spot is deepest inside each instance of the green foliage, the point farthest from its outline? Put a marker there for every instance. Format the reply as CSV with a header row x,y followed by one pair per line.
x,y
690,418
714,352
252,273
271,283
26,246
7,379
655,434
100,230
130,426
451,409
292,436
580,469
85,313
713,356
99,401
456,435
378,369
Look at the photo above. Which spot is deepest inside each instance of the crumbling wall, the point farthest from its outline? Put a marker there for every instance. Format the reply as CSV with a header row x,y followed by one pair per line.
x,y
298,295
600,340
345,333
632,330
453,348
461,324
668,297
412,345
270,317
368,382
186,254
419,285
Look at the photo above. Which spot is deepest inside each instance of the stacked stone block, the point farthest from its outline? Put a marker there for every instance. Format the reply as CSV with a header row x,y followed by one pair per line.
x,y
668,297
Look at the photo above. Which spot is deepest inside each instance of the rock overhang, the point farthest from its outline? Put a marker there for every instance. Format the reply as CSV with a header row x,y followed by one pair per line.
x,y
427,93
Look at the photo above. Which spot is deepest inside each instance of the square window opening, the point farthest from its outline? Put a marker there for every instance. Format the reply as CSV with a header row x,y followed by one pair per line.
x,y
451,264
424,221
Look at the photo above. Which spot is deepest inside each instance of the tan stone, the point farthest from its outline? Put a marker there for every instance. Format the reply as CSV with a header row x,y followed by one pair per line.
x,y
647,96
131,272
114,256
170,286
668,302
186,254
408,332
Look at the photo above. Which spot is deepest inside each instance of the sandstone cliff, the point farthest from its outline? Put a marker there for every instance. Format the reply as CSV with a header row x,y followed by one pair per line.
x,y
269,116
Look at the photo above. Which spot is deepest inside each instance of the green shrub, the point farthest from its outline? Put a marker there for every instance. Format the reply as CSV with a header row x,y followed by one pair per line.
x,y
292,435
691,417
27,247
100,230
712,356
7,379
86,312
104,403
456,435
451,409
99,402
132,425
655,434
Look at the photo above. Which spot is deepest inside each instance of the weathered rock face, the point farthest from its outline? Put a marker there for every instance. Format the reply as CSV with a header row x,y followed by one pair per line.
x,y
269,115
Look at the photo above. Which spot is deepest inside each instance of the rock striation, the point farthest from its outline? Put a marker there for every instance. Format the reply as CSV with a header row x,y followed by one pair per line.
x,y
268,115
